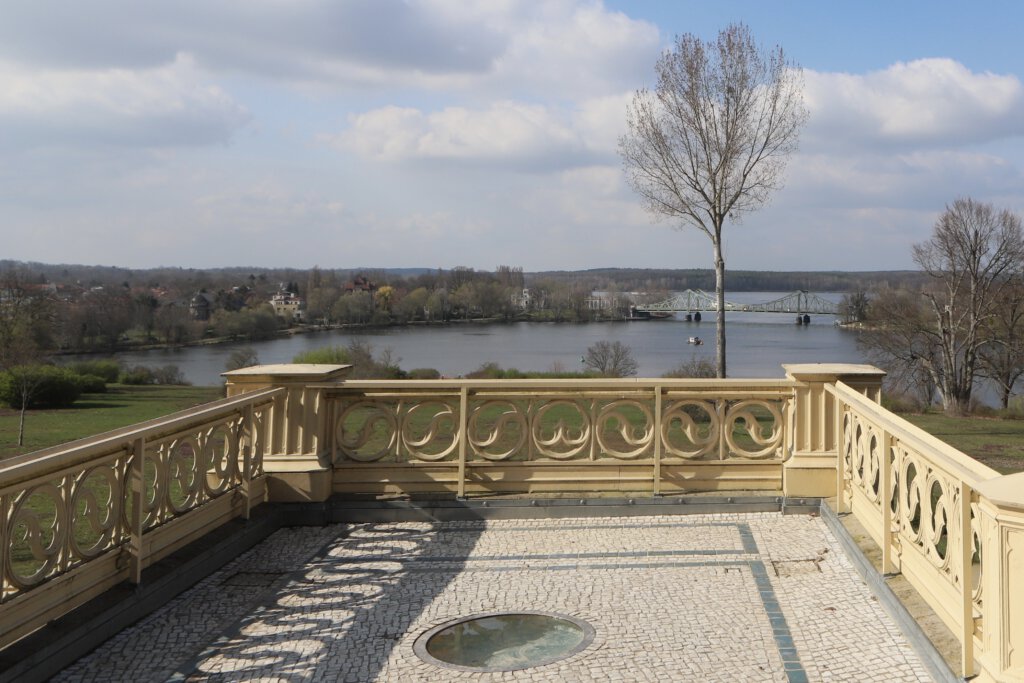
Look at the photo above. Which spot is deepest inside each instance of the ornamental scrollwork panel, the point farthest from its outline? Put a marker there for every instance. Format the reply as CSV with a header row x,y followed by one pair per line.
x,y
96,509
38,529
690,428
498,429
754,430
865,465
429,429
366,431
393,431
625,429
53,525
561,429
928,518
518,427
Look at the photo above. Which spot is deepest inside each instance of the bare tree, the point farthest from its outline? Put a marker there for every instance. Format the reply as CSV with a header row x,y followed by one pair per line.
x,y
1001,358
901,339
611,359
21,313
972,260
711,142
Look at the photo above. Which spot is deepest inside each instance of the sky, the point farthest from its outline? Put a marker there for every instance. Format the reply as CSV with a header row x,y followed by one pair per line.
x,y
443,133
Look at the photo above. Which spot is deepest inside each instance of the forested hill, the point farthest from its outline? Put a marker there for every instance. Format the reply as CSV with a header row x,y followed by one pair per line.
x,y
652,279
622,279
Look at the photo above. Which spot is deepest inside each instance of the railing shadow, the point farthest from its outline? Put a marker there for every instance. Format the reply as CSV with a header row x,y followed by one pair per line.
x,y
342,617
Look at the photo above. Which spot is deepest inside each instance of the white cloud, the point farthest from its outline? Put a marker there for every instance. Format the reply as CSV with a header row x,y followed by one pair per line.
x,y
560,46
505,132
923,103
166,105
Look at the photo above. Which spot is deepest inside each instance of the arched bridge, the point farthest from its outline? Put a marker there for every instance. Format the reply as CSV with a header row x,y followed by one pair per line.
x,y
692,300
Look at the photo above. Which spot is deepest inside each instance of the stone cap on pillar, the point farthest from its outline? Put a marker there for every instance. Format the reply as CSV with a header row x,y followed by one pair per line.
x,y
259,376
1006,491
830,372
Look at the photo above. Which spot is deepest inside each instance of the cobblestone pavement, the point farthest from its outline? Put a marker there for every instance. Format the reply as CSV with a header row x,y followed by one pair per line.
x,y
736,597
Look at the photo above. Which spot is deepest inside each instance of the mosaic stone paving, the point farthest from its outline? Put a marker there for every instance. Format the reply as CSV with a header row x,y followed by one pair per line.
x,y
736,597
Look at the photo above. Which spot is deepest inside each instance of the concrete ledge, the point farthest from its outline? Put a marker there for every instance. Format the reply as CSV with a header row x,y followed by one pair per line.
x,y
929,655
61,642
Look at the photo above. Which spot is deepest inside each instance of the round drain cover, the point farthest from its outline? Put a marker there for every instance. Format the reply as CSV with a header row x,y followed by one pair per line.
x,y
503,641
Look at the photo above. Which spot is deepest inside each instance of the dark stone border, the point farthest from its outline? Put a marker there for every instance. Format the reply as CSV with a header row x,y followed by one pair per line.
x,y
420,646
63,641
470,509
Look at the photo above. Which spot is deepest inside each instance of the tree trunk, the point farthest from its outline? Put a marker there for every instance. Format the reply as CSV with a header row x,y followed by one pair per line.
x,y
21,425
720,294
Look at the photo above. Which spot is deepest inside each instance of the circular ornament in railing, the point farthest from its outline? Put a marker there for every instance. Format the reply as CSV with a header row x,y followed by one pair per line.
x,y
498,641
183,475
36,533
617,433
766,441
497,430
366,431
96,511
430,430
561,439
220,456
689,429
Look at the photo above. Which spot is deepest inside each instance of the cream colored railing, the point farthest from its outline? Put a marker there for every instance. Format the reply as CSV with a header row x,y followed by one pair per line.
x,y
530,436
923,503
79,518
82,517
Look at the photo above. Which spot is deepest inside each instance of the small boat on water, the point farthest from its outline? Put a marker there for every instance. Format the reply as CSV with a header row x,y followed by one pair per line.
x,y
696,341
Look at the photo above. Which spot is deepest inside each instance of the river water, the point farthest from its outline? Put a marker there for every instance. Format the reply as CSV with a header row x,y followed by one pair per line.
x,y
758,344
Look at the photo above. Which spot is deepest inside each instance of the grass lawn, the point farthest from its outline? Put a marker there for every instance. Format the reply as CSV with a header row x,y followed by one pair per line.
x,y
997,442
121,406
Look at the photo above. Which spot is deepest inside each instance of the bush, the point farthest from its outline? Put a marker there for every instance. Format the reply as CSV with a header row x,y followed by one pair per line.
x,y
91,384
107,369
695,367
492,370
47,386
142,375
359,355
138,375
169,375
327,355
424,373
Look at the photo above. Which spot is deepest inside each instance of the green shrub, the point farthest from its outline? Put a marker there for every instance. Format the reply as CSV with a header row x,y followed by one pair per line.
x,y
137,375
492,370
424,373
45,386
108,369
327,355
91,384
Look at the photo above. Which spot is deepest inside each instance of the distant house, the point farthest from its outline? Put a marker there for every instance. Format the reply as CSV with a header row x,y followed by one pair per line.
x,y
359,284
200,306
287,305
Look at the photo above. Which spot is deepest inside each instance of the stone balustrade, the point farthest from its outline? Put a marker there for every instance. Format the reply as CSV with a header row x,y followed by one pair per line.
x,y
82,517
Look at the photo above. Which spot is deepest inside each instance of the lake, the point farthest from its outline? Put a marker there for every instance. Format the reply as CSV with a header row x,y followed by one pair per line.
x,y
758,344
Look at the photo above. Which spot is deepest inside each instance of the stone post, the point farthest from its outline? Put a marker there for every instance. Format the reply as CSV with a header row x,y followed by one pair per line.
x,y
296,460
1001,504
810,470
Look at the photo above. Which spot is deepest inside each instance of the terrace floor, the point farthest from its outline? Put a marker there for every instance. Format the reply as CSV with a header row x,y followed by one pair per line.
x,y
724,597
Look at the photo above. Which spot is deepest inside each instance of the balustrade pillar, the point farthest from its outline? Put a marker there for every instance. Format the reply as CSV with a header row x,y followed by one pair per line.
x,y
811,468
296,460
1001,503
